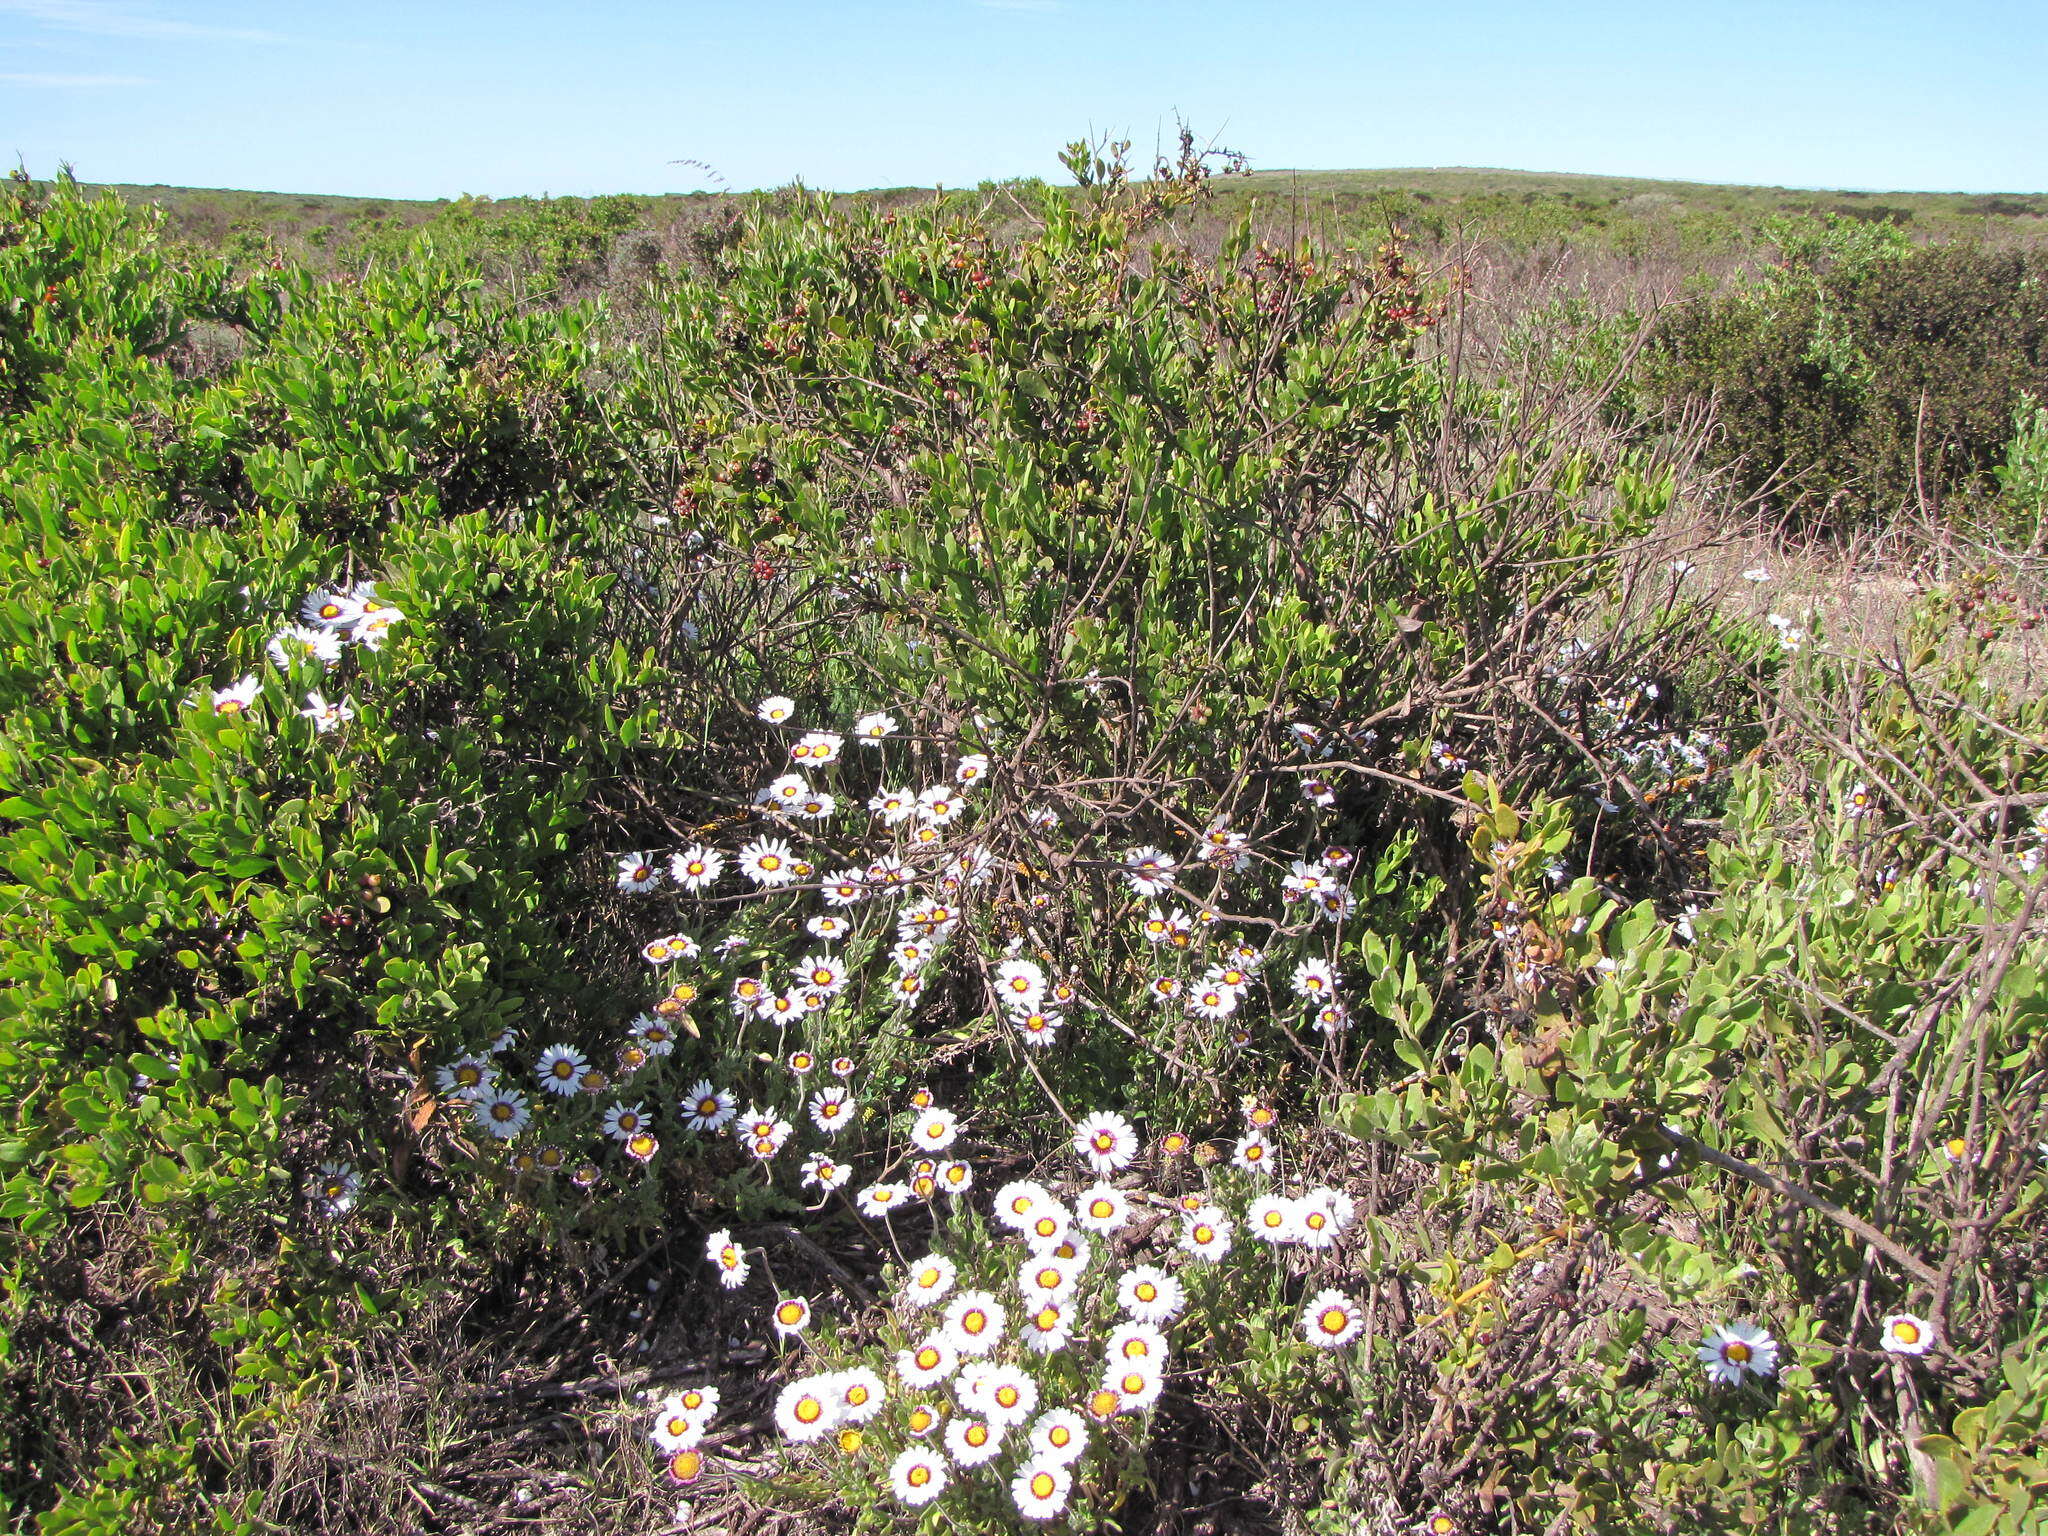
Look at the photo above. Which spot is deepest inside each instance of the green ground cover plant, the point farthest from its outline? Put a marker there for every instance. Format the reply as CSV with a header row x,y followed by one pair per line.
x,y
964,865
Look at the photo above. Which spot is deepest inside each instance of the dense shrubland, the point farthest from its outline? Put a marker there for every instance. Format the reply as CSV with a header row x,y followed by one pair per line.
x,y
1144,733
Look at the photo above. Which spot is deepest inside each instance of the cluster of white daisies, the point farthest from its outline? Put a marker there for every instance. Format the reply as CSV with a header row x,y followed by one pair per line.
x,y
329,620
989,1353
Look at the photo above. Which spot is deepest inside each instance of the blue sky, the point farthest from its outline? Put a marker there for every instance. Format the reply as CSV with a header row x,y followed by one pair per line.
x,y
432,98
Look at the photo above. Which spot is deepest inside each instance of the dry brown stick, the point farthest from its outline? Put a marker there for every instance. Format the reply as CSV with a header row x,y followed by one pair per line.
x,y
1848,1221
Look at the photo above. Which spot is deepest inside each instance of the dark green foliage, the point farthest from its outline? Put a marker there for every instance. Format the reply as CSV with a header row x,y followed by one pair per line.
x,y
1862,380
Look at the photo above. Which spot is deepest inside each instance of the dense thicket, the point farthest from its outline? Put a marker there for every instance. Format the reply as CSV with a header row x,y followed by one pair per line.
x,y
1685,971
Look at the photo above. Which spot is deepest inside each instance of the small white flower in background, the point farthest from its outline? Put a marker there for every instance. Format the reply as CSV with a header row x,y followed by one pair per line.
x,y
940,805
236,698
304,642
335,1187
708,1108
1020,983
1205,1233
972,769
1735,1350
775,709
935,1129
792,1316
1149,871
622,1121
1905,1334
331,610
880,1199
1314,980
638,874
817,747
371,629
788,790
1253,1153
722,1252
1682,567
501,1111
325,716
1331,1320
1756,573
872,730
560,1068
697,867
1106,1142
894,806
466,1077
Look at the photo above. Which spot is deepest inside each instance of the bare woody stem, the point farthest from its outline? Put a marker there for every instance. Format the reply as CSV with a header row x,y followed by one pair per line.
x,y
1848,1221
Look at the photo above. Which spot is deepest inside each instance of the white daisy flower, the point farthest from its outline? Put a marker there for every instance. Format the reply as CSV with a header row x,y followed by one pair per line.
x,y
768,862
820,973
927,1363
1734,1350
637,874
935,1129
335,1186
828,927
861,1395
466,1077
822,1172
920,1419
1205,1233
955,1177
1103,1208
807,1410
894,806
1272,1219
727,1257
1106,1142
940,805
331,610
1253,1153
832,1109
917,1476
1138,1385
817,747
1048,1226
974,1322
873,729
843,887
1905,1334
889,873
236,698
1046,1327
929,1279
1059,1435
972,769
372,629
501,1111
1314,1226
1211,1001
1149,871
304,642
1042,1279
708,1108
1037,1027
972,1442
675,1427
1006,1395
783,792
1150,1294
624,1120
880,1199
560,1068
1020,983
697,867
1017,1202
792,1315
1331,1320
1314,980
775,709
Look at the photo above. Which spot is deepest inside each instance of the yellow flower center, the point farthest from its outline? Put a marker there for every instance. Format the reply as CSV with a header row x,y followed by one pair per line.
x,y
1334,1319
809,1410
1147,1291
685,1465
1042,1485
977,1435
918,1475
1906,1333
1738,1352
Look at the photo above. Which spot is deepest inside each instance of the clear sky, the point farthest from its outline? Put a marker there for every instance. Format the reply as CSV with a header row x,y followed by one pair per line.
x,y
432,98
